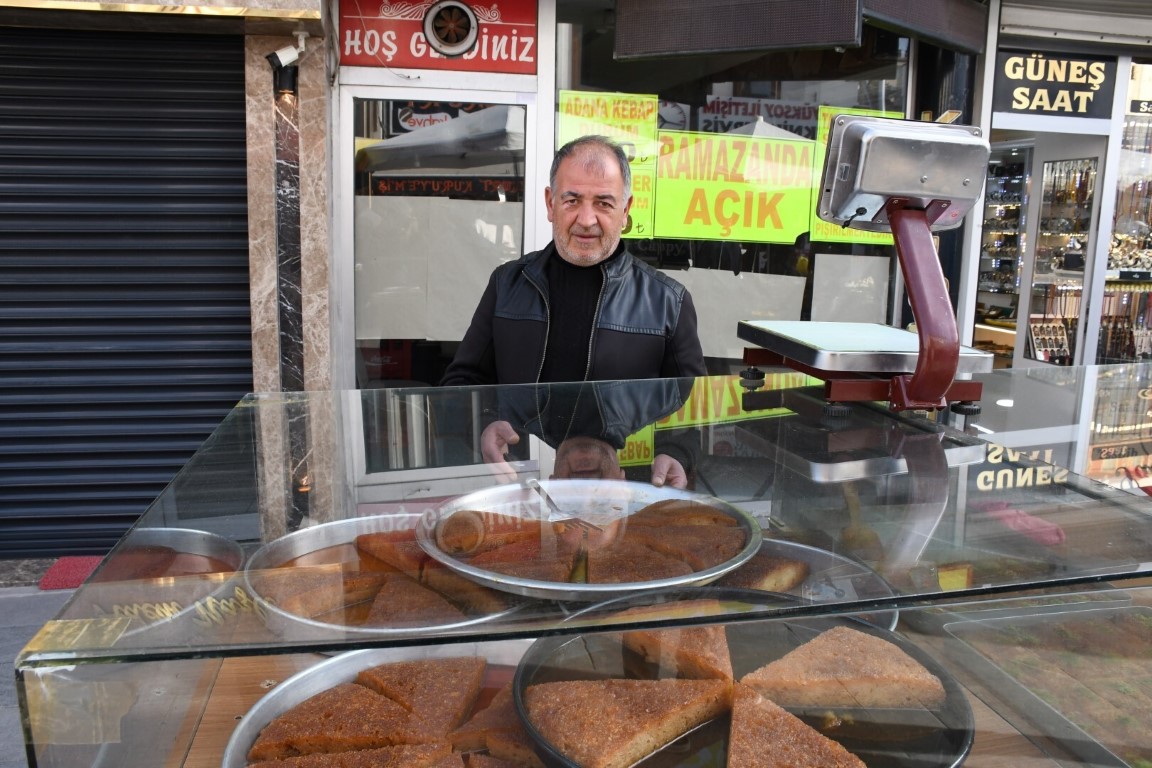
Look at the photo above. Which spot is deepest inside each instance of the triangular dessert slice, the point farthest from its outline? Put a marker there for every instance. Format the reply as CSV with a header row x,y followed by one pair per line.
x,y
438,693
762,735
403,756
700,546
499,715
848,668
767,572
402,602
681,512
515,747
626,562
693,652
475,599
340,719
531,559
398,549
615,723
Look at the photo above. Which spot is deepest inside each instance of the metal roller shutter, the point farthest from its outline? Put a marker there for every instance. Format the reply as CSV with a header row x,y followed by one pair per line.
x,y
125,331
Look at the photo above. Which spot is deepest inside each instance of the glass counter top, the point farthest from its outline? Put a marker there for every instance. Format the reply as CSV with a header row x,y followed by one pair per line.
x,y
317,522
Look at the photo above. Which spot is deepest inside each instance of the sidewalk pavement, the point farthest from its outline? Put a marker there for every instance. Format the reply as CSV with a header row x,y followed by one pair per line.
x,y
23,610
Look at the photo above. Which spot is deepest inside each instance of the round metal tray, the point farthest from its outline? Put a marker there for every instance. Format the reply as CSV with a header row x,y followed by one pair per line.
x,y
161,601
600,502
834,578
502,657
882,738
310,540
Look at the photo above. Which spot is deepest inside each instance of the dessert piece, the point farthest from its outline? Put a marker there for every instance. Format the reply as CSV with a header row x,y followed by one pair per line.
x,y
499,715
700,546
681,512
767,572
479,760
530,559
474,599
402,602
615,723
514,746
626,562
302,590
762,735
438,693
850,668
341,719
402,756
692,652
465,531
398,549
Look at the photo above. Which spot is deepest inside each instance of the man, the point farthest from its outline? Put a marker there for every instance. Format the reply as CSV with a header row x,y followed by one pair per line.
x,y
583,308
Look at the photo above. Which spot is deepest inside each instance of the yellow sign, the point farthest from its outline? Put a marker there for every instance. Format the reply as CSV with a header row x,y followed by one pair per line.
x,y
824,231
631,120
729,186
639,449
720,399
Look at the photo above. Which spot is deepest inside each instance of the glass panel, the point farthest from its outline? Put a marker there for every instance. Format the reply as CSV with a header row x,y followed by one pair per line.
x,y
439,204
1125,325
1062,243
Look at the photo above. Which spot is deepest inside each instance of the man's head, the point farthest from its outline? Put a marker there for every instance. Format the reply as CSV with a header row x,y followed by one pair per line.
x,y
588,196
587,457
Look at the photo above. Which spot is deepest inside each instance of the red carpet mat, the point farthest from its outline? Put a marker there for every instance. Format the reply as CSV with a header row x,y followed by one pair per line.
x,y
69,572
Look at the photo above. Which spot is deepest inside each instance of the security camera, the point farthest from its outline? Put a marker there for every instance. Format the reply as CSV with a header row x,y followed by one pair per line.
x,y
284,57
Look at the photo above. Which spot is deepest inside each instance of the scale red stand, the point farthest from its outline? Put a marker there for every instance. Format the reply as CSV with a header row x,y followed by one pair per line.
x,y
933,384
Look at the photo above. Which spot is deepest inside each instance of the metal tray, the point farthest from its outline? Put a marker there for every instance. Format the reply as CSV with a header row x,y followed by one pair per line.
x,y
596,501
343,669
834,578
882,738
1027,711
310,540
163,602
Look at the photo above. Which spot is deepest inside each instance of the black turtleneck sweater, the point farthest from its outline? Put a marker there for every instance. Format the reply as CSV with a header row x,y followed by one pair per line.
x,y
572,296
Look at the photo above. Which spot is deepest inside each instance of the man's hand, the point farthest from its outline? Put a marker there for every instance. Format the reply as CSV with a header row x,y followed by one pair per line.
x,y
494,442
667,471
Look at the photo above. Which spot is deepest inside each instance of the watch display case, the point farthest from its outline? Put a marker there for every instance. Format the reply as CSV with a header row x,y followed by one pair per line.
x,y
795,520
1002,251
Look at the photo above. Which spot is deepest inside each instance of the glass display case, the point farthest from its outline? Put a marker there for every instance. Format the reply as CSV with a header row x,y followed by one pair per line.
x,y
315,536
1002,251
1063,240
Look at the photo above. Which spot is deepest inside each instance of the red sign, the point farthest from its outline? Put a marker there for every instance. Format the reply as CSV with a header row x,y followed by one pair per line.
x,y
391,34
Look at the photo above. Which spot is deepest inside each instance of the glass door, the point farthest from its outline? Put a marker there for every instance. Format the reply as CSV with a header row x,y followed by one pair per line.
x,y
438,204
1061,227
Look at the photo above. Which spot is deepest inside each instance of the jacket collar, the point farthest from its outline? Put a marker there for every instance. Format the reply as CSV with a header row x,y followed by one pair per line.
x,y
617,267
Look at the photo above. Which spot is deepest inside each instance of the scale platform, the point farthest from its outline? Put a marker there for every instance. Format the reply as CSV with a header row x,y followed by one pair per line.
x,y
850,347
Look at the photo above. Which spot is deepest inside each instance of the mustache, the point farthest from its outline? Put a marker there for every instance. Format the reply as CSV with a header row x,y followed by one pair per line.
x,y
592,231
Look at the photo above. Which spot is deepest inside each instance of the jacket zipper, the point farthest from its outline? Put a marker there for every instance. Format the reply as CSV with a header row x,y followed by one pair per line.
x,y
595,318
547,327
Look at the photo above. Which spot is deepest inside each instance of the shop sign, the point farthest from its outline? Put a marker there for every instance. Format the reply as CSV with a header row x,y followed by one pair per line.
x,y
1007,468
408,116
630,119
391,34
721,114
821,231
732,187
720,400
1063,85
460,187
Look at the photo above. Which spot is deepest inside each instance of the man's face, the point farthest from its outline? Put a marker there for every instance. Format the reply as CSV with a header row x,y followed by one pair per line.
x,y
587,207
587,458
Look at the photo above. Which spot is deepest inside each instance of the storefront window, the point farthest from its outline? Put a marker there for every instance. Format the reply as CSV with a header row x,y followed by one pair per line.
x,y
1125,322
729,147
439,204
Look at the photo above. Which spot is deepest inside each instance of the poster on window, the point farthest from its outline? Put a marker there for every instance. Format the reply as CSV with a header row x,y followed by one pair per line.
x,y
630,119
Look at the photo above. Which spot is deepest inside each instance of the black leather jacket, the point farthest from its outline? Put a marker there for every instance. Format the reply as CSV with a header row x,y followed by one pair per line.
x,y
645,326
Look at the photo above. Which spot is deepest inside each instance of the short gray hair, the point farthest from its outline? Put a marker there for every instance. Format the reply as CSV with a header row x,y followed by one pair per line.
x,y
598,145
